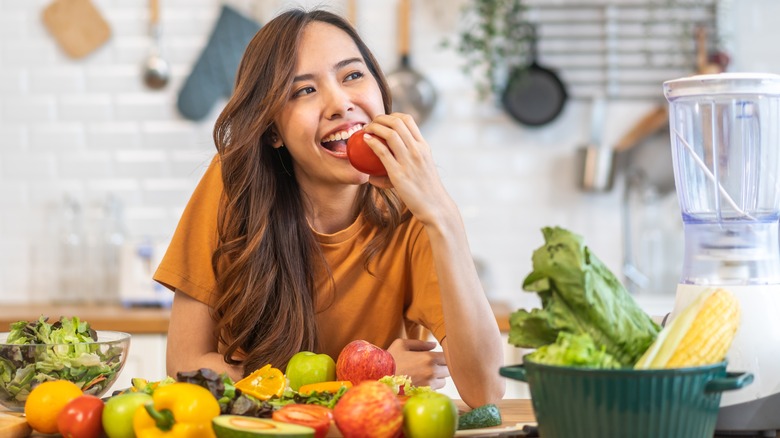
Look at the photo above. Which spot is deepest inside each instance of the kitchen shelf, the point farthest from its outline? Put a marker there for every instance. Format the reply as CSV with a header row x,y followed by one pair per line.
x,y
623,50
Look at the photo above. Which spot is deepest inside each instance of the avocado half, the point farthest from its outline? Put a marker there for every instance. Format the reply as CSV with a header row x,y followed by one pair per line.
x,y
237,426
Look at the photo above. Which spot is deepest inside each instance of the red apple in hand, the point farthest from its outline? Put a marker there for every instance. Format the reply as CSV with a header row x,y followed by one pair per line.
x,y
369,410
361,360
362,157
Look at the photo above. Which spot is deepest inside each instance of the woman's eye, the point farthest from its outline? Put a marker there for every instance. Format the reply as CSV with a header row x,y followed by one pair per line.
x,y
354,75
303,91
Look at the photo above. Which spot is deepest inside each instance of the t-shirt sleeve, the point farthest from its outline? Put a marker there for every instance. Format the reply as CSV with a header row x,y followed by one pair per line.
x,y
425,308
186,265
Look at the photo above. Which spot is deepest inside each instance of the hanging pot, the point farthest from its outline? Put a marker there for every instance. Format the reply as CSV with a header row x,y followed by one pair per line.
x,y
595,159
412,92
534,95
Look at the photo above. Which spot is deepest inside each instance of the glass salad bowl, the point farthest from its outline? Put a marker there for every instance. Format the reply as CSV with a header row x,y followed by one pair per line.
x,y
93,362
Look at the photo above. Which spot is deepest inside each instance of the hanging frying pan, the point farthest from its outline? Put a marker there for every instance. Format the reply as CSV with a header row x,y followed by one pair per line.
x,y
534,95
412,93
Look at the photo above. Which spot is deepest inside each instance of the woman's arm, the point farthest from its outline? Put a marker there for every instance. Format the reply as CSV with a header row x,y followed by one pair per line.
x,y
191,341
472,346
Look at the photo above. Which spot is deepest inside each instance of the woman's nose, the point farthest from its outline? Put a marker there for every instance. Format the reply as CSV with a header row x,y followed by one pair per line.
x,y
337,102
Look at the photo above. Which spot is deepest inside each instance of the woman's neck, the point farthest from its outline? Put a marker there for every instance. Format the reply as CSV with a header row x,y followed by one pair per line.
x,y
330,210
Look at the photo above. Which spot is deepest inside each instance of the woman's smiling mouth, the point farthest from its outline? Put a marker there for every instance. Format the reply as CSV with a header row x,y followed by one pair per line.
x,y
337,142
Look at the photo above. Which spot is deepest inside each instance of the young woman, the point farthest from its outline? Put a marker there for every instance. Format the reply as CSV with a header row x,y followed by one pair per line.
x,y
285,247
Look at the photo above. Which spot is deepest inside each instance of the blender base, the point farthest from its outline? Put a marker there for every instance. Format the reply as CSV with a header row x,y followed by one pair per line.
x,y
752,410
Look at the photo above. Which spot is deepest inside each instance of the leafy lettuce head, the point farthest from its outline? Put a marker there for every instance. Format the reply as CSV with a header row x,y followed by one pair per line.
x,y
579,295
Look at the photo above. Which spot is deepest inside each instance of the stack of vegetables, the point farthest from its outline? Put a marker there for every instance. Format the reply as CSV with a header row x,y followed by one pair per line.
x,y
589,319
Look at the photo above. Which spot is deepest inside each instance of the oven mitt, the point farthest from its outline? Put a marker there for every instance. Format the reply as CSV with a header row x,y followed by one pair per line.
x,y
214,73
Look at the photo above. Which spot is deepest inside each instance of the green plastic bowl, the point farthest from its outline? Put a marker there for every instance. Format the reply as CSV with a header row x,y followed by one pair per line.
x,y
587,402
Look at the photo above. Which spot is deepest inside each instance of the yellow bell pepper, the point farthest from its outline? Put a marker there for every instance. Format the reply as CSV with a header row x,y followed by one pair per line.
x,y
178,410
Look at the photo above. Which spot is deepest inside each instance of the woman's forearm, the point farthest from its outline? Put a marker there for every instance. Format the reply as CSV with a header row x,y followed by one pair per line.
x,y
213,361
191,343
473,342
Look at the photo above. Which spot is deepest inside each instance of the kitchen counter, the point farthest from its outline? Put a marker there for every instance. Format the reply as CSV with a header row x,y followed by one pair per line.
x,y
138,320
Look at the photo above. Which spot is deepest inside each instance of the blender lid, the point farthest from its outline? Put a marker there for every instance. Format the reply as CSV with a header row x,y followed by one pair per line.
x,y
723,84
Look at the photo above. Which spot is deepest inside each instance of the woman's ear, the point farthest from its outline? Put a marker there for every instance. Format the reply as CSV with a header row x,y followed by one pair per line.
x,y
276,139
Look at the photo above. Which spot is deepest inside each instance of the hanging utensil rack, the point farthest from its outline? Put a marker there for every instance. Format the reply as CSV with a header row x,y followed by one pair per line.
x,y
624,50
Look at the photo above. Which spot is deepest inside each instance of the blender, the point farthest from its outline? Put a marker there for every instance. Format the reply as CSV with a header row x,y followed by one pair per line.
x,y
725,139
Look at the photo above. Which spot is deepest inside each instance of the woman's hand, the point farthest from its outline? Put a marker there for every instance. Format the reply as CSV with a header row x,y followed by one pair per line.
x,y
410,166
415,359
472,347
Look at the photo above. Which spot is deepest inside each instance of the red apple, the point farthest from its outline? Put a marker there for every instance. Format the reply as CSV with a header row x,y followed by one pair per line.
x,y
361,360
369,410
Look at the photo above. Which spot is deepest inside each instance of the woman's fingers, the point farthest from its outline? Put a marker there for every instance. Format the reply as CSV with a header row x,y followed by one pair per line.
x,y
410,124
417,360
398,126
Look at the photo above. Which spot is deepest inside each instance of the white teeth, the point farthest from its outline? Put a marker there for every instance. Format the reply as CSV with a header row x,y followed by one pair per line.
x,y
343,135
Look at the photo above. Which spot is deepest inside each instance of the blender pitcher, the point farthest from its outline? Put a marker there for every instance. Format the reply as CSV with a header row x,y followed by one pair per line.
x,y
725,139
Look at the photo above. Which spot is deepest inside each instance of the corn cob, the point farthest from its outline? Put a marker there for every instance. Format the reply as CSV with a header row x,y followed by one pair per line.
x,y
700,335
711,333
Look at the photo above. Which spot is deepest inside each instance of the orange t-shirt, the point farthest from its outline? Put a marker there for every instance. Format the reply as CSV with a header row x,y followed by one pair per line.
x,y
402,296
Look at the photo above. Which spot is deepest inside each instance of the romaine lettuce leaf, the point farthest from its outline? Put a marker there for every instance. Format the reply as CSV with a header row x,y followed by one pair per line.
x,y
580,294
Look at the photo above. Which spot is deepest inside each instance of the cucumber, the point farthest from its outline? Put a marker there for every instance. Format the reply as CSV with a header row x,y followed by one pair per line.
x,y
483,416
237,426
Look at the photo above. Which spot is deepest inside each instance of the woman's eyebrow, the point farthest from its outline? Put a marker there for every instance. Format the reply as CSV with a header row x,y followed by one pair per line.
x,y
339,65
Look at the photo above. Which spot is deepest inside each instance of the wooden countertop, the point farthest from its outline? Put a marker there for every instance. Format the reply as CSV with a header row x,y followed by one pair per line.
x,y
101,317
138,320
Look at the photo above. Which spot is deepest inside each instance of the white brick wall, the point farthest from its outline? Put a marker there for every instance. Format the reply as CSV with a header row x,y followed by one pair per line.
x,y
89,128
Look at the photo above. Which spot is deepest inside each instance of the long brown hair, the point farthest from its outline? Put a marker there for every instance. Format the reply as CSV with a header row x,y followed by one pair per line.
x,y
267,255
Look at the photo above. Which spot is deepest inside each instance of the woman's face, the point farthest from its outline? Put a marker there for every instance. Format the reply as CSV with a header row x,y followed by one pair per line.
x,y
333,95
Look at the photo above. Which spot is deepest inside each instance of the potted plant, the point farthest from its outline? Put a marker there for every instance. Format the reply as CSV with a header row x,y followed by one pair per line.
x,y
493,39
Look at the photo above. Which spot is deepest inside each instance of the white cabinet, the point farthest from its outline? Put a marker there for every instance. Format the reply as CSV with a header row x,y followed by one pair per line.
x,y
146,359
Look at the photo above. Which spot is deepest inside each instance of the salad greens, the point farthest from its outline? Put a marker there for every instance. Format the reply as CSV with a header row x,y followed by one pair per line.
x,y
322,398
574,350
402,384
37,351
580,295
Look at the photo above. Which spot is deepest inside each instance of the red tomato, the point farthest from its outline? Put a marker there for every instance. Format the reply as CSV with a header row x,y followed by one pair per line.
x,y
315,416
362,157
81,418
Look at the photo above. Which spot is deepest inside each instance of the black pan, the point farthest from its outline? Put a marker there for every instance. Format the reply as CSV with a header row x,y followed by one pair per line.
x,y
534,95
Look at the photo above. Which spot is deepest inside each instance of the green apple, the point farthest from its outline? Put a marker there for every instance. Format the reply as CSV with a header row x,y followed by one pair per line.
x,y
306,367
118,413
430,415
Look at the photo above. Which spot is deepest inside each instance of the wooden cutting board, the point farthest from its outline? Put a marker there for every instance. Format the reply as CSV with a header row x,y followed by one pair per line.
x,y
13,425
77,26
